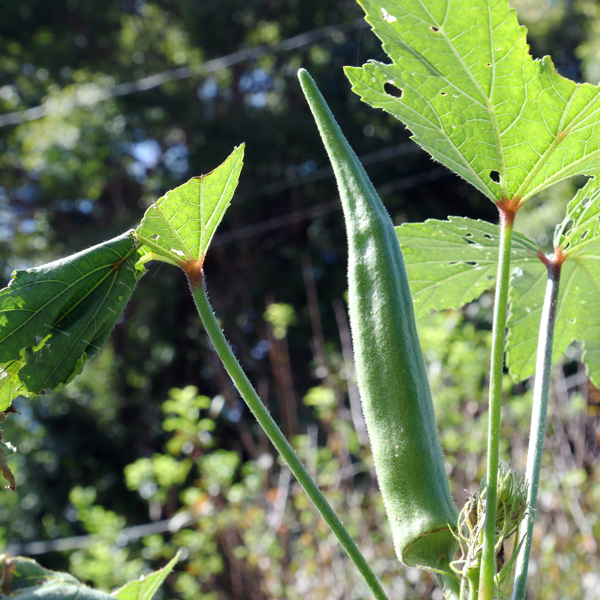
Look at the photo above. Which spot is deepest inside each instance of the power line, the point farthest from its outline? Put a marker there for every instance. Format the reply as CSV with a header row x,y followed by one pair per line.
x,y
89,98
308,213
325,172
129,534
136,532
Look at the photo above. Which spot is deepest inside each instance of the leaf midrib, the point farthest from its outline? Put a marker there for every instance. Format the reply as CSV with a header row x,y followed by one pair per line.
x,y
54,298
83,330
173,232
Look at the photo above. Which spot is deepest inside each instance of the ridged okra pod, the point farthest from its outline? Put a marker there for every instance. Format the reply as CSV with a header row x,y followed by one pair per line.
x,y
392,379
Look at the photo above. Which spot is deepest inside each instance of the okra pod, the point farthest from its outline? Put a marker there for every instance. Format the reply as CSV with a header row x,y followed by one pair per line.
x,y
392,379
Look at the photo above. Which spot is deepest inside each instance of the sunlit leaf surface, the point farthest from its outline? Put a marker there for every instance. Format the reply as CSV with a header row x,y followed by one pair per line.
x,y
463,81
178,227
450,263
54,317
579,292
145,587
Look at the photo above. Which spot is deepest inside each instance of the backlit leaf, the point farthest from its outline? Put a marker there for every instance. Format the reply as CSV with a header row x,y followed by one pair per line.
x,y
145,587
54,317
579,292
450,263
463,81
178,227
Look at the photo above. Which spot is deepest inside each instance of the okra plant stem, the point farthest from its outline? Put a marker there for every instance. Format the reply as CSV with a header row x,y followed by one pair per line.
x,y
538,419
488,562
265,420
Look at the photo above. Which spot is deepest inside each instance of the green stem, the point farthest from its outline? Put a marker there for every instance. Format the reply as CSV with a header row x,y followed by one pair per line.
x,y
265,420
538,419
488,562
449,583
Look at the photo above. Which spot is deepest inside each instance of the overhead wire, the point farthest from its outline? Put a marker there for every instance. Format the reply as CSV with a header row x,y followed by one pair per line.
x,y
146,83
211,66
400,184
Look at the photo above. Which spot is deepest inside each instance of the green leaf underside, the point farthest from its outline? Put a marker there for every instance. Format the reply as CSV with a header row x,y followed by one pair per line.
x,y
54,317
178,227
24,579
579,292
475,99
147,586
450,263
439,257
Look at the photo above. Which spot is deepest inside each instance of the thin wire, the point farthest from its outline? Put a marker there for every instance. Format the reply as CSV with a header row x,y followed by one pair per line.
x,y
325,172
128,534
308,213
88,99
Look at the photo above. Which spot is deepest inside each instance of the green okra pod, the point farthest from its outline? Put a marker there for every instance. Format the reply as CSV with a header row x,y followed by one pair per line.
x,y
391,373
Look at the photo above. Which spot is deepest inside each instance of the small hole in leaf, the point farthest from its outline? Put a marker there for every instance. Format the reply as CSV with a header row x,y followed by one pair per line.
x,y
567,246
453,263
585,234
488,236
568,225
434,29
468,234
443,93
495,176
471,263
154,236
488,65
391,89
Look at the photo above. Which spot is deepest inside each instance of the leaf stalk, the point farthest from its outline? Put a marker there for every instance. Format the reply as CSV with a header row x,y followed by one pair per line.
x,y
265,420
488,563
538,419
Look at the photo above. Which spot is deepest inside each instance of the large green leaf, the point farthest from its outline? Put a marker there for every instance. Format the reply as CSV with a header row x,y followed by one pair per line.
x,y
178,227
578,237
450,263
463,81
145,587
54,317
24,579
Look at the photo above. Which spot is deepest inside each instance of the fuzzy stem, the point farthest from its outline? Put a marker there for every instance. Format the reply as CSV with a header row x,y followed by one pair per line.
x,y
265,420
538,420
488,562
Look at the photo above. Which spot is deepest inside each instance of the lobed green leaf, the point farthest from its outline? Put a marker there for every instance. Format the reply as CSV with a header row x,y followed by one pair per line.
x,y
578,238
463,81
450,263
